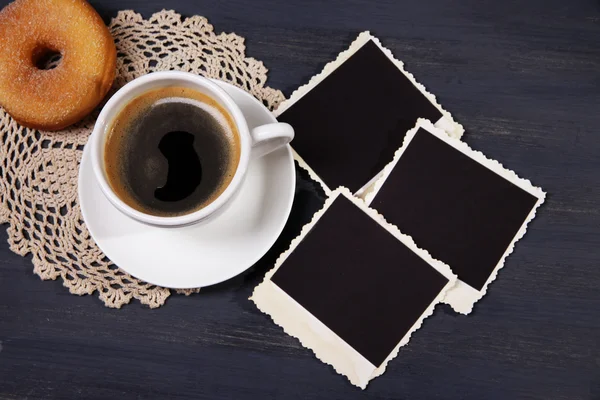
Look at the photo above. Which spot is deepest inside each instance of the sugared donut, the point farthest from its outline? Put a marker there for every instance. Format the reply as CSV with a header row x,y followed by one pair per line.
x,y
51,99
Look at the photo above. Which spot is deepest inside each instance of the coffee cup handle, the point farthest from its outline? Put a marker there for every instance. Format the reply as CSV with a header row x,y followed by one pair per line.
x,y
270,137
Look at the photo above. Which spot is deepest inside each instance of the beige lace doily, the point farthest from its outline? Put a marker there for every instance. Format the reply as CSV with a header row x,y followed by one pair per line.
x,y
38,170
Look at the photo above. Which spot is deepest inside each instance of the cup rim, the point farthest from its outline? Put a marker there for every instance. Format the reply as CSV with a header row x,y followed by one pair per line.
x,y
115,105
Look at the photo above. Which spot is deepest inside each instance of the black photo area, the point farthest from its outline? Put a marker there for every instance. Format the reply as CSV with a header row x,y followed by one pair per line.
x,y
349,126
463,213
359,280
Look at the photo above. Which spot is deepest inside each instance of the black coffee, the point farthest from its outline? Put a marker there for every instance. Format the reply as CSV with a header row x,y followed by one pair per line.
x,y
171,151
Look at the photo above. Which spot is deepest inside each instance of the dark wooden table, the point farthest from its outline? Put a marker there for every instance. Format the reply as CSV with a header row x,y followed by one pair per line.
x,y
523,76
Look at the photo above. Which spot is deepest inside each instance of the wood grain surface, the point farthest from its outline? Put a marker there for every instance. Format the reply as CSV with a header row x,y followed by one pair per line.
x,y
522,76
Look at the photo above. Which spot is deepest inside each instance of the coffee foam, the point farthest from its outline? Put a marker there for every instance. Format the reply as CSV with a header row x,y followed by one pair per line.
x,y
212,110
140,106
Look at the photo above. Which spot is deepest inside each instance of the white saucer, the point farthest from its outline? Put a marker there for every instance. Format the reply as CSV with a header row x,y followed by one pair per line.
x,y
205,254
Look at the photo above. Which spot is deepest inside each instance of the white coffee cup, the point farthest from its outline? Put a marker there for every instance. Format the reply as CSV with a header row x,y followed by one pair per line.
x,y
253,143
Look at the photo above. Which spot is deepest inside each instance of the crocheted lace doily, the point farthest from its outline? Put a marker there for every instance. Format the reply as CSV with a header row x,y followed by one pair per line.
x,y
38,170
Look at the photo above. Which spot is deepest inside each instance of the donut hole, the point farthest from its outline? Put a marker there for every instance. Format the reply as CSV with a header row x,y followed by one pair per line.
x,y
46,58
